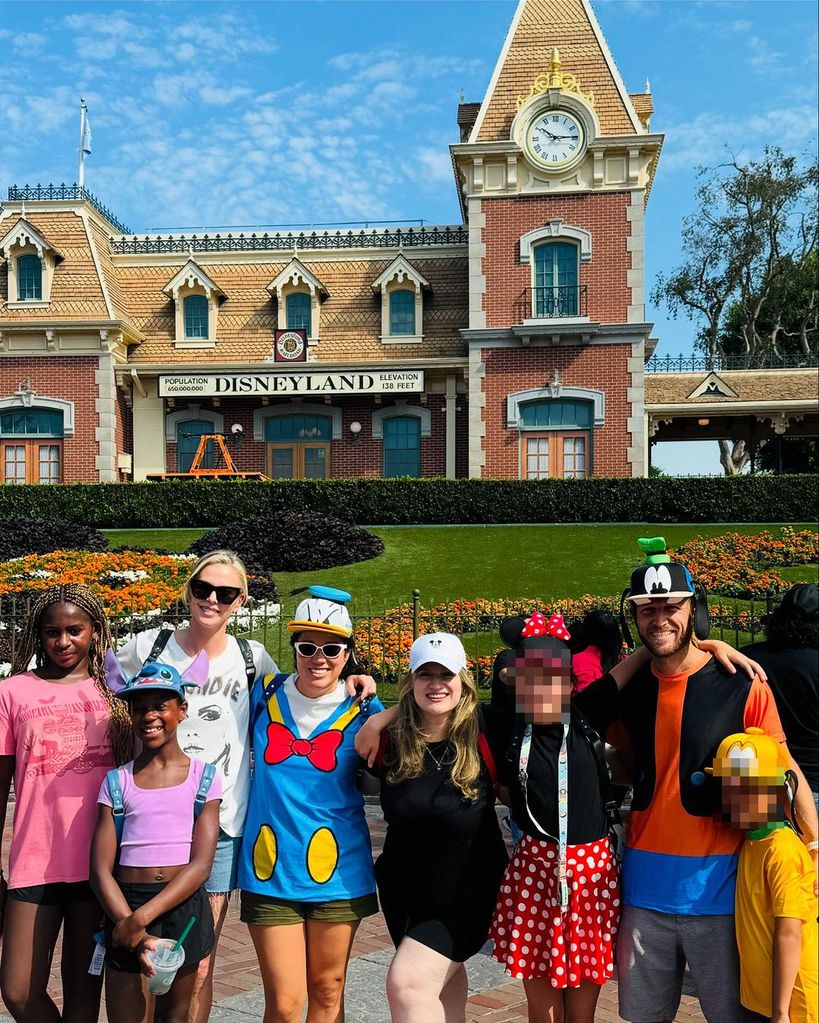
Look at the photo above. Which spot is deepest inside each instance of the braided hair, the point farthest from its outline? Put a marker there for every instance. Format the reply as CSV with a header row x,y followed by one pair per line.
x,y
120,732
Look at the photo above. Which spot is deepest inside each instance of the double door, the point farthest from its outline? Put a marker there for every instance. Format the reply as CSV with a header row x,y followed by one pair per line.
x,y
298,461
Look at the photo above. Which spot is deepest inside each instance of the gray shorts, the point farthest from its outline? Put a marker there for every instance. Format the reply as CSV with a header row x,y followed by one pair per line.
x,y
652,950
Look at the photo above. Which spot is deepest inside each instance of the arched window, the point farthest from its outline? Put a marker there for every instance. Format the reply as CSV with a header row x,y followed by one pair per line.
x,y
32,446
556,280
402,446
29,279
402,311
196,316
556,438
188,432
298,311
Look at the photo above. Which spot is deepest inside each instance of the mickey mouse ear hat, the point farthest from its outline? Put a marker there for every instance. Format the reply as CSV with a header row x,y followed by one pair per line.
x,y
660,578
323,610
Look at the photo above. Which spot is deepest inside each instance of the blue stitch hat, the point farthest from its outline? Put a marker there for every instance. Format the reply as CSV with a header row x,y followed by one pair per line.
x,y
155,677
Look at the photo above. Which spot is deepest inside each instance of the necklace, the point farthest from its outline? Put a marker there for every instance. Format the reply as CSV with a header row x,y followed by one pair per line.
x,y
439,764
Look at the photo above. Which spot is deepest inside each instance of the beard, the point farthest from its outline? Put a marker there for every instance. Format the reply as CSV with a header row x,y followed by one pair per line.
x,y
657,648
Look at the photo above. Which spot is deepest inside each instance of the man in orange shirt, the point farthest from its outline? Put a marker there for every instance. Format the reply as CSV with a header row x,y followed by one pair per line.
x,y
680,857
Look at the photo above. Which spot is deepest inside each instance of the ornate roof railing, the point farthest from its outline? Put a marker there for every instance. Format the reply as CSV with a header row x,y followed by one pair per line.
x,y
278,241
37,193
704,364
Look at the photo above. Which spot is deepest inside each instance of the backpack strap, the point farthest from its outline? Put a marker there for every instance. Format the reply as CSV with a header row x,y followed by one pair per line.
x,y
599,750
488,759
205,782
160,643
383,746
117,804
271,684
247,657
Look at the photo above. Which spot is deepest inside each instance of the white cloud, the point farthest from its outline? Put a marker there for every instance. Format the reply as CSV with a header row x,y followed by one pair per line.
x,y
435,163
29,42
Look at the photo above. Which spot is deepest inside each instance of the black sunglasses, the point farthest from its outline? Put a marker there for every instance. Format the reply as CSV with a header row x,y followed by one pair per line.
x,y
310,649
224,594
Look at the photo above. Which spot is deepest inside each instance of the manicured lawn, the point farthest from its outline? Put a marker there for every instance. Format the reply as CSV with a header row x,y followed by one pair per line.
x,y
446,563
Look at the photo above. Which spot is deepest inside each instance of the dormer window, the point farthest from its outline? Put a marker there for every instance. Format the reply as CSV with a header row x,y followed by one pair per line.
x,y
31,263
197,299
298,311
402,302
299,295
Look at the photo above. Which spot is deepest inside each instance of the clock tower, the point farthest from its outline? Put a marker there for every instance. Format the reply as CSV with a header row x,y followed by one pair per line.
x,y
554,169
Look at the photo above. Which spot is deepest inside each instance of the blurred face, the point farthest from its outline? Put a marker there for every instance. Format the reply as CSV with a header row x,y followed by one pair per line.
x,y
319,673
436,690
750,803
207,610
664,628
543,685
66,634
155,717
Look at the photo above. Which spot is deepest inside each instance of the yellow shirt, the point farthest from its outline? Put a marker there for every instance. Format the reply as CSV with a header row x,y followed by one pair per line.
x,y
775,879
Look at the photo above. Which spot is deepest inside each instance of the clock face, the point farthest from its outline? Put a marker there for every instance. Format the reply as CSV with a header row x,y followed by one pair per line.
x,y
555,138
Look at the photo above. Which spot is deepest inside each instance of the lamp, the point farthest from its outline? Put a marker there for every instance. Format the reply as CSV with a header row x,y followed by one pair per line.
x,y
238,433
355,430
703,422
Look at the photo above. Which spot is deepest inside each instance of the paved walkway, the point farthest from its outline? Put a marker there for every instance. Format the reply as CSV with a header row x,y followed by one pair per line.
x,y
493,998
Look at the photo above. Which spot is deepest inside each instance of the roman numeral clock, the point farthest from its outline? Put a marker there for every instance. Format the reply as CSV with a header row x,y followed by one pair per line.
x,y
555,139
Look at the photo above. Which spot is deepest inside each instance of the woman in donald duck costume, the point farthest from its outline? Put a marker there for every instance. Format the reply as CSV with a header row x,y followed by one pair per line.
x,y
306,871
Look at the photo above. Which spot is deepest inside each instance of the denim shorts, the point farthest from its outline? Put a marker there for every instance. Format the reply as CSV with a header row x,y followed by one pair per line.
x,y
225,865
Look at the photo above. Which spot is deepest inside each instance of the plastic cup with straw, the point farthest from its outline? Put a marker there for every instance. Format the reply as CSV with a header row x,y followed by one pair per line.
x,y
167,957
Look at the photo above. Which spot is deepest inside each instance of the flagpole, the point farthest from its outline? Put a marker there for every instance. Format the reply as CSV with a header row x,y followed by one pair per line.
x,y
81,170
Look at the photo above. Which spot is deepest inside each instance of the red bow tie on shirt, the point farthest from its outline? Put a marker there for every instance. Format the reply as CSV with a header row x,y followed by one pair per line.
x,y
538,625
320,751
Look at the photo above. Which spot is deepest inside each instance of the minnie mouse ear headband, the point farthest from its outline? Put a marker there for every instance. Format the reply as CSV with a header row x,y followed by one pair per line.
x,y
516,631
323,610
155,676
660,578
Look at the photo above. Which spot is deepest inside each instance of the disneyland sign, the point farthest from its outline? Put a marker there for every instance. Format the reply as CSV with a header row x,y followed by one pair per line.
x,y
234,385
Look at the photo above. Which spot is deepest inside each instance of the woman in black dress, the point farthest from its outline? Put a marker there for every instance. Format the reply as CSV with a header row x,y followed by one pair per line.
x,y
444,856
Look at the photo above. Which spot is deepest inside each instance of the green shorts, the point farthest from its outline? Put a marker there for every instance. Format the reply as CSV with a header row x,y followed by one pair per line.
x,y
266,911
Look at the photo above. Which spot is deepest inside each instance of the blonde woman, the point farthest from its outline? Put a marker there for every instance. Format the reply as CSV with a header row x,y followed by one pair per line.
x,y
218,723
443,857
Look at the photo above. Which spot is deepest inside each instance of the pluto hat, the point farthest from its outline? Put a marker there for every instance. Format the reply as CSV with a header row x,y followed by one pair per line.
x,y
751,754
323,610
438,648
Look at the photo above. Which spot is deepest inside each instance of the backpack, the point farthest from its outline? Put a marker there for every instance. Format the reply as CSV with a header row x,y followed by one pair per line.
x,y
118,806
164,635
483,749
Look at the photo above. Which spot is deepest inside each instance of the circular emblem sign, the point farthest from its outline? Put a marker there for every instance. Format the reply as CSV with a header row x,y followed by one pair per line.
x,y
290,345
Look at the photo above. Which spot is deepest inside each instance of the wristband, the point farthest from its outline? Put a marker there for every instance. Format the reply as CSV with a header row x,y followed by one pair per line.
x,y
810,846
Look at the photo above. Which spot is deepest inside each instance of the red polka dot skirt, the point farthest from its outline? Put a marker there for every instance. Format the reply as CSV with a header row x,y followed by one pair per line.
x,y
534,939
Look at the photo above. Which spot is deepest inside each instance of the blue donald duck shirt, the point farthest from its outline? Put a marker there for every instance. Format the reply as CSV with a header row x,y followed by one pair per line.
x,y
306,836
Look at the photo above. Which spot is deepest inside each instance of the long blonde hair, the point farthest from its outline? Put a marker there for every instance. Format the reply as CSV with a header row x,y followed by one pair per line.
x,y
120,731
405,756
216,558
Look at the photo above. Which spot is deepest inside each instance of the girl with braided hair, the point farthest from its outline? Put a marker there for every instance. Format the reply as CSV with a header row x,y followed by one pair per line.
x,y
61,730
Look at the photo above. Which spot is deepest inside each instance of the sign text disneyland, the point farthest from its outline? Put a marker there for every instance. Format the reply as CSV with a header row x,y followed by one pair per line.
x,y
228,384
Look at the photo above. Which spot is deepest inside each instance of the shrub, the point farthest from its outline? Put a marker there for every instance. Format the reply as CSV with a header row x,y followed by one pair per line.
x,y
21,536
422,501
293,541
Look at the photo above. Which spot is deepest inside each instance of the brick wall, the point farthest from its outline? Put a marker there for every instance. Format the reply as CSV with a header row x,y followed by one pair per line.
x,y
71,379
508,280
601,367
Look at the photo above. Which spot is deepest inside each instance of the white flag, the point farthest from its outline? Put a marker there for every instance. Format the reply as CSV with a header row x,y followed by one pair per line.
x,y
85,144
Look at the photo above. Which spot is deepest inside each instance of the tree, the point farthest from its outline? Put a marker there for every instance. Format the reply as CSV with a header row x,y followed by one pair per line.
x,y
749,268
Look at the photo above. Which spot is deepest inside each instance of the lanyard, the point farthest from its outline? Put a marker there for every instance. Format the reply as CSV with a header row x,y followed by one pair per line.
x,y
562,803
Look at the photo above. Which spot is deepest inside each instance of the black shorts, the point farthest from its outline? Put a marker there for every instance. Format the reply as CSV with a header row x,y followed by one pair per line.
x,y
55,893
198,944
456,930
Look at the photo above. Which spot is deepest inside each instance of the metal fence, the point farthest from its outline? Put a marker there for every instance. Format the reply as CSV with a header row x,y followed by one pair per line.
x,y
383,635
704,364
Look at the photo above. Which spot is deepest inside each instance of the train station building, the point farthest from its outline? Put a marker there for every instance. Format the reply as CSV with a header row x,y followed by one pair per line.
x,y
512,344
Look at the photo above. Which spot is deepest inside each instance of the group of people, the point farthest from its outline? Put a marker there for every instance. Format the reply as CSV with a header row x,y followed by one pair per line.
x,y
191,767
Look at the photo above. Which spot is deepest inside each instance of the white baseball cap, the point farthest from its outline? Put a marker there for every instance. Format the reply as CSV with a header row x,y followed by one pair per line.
x,y
438,648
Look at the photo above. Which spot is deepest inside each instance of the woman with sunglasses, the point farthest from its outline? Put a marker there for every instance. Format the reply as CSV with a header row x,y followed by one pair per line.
x,y
217,726
306,869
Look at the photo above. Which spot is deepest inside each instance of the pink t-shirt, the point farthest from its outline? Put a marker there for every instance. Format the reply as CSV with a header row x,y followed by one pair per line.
x,y
58,734
587,667
158,826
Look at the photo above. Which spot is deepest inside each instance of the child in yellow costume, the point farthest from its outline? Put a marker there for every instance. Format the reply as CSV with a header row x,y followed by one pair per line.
x,y
775,904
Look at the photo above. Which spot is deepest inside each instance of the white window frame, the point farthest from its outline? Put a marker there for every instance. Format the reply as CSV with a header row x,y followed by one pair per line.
x,y
25,240
18,402
401,409
261,416
195,411
401,275
192,280
297,278
553,392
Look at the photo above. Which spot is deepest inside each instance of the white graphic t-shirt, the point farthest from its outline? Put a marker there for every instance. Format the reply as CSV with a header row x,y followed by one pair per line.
x,y
216,728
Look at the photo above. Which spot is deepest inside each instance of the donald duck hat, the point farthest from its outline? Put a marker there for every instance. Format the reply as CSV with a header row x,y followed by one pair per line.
x,y
751,754
323,610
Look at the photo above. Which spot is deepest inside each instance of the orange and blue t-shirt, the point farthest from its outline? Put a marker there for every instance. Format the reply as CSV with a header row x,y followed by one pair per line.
x,y
680,856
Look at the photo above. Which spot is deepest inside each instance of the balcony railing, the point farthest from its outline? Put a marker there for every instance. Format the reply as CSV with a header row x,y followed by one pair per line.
x,y
704,364
542,303
36,193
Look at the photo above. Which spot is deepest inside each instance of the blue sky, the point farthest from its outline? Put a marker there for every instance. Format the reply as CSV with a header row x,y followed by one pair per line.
x,y
215,114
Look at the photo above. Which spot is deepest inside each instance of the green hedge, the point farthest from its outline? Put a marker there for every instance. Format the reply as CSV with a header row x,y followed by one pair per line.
x,y
422,501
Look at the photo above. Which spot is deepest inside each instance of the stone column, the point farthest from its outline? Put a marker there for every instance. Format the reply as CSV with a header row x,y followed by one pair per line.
x,y
149,429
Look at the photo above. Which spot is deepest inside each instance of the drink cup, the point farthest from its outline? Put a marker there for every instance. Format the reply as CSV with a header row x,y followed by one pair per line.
x,y
165,962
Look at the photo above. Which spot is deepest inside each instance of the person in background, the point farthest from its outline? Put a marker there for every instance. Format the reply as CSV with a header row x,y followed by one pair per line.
x,y
597,645
790,657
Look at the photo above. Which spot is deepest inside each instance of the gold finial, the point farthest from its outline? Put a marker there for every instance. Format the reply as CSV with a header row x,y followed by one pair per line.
x,y
555,78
